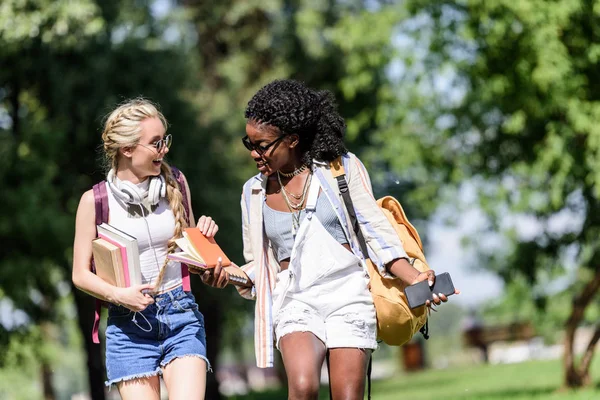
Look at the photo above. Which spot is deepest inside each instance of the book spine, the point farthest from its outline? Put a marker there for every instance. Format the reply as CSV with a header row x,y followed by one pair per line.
x,y
123,257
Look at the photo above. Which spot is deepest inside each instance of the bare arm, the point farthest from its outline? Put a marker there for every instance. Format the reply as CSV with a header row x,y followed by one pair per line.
x,y
83,277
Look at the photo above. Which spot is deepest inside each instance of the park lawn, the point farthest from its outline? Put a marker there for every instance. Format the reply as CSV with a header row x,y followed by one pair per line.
x,y
529,380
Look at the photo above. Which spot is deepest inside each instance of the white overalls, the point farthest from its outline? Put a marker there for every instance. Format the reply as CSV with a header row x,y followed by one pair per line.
x,y
325,288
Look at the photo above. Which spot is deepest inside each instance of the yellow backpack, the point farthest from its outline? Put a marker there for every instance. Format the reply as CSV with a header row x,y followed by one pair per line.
x,y
396,322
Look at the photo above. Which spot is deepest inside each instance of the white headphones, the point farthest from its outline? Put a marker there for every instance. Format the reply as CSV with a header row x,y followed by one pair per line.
x,y
131,194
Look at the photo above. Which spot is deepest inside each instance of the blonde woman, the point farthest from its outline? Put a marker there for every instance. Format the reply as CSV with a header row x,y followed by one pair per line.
x,y
154,328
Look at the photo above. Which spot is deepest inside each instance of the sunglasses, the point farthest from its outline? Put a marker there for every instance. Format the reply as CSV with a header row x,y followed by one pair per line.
x,y
160,144
260,148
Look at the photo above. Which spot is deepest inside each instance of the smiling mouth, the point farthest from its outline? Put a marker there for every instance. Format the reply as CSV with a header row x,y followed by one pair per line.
x,y
158,161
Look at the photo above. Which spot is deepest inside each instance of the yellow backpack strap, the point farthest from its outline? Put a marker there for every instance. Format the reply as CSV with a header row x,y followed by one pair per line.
x,y
337,167
337,170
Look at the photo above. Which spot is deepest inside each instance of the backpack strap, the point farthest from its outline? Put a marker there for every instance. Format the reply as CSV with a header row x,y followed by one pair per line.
x,y
185,272
101,208
338,172
101,202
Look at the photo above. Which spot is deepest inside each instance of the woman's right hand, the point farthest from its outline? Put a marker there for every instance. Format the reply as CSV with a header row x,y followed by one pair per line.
x,y
133,298
216,277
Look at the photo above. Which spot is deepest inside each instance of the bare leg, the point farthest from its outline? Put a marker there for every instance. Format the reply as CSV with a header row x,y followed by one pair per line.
x,y
144,388
303,354
185,378
347,371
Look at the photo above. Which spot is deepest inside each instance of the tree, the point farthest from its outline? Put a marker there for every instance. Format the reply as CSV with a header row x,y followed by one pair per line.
x,y
518,119
70,63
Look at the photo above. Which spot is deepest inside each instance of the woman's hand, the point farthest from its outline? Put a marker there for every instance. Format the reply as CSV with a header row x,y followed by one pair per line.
x,y
216,277
133,298
207,226
438,298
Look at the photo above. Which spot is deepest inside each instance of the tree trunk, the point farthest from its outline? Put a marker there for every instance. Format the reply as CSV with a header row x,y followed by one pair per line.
x,y
95,363
574,376
47,385
584,367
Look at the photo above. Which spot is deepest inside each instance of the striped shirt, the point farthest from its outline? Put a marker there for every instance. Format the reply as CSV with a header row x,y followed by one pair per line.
x,y
261,263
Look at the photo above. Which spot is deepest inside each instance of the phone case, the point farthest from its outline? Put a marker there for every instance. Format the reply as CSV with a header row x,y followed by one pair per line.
x,y
419,293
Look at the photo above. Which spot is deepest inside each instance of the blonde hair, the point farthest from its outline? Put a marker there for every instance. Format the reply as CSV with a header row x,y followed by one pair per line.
x,y
122,128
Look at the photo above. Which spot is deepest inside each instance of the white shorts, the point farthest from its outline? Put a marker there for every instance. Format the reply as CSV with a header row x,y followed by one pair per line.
x,y
338,309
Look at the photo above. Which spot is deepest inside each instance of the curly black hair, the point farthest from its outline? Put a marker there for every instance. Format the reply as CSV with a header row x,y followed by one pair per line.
x,y
297,109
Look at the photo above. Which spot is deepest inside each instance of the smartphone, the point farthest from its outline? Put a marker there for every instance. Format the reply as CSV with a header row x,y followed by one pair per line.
x,y
419,293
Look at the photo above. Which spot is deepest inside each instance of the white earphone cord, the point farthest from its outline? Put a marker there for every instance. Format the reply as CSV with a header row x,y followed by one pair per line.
x,y
157,267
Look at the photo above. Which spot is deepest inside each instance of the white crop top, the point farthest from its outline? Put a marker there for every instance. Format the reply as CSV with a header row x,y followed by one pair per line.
x,y
160,224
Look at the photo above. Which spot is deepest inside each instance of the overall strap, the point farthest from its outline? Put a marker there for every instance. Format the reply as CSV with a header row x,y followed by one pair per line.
x,y
313,195
101,207
185,272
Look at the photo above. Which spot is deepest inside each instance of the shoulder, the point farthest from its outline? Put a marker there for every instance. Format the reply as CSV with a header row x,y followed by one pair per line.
x,y
177,173
179,176
255,180
87,199
350,157
87,203
353,164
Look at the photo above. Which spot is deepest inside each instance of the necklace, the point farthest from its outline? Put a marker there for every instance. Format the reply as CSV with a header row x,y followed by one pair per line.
x,y
295,205
294,172
295,208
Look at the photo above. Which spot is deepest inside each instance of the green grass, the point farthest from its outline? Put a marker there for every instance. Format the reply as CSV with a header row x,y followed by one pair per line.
x,y
530,380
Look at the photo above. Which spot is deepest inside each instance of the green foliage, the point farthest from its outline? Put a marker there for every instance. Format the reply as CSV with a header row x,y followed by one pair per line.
x,y
71,61
514,114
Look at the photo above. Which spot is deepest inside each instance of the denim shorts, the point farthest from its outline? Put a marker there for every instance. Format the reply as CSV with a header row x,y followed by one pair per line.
x,y
140,344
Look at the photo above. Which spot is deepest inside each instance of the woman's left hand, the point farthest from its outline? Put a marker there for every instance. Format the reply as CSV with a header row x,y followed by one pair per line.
x,y
438,298
207,226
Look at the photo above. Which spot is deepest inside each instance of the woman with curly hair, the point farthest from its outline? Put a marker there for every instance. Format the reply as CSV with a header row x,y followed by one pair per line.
x,y
302,257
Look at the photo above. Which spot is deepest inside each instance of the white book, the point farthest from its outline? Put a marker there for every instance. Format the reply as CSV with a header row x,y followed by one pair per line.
x,y
131,265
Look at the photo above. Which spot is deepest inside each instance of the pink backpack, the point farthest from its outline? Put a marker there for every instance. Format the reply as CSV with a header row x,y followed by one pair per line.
x,y
101,202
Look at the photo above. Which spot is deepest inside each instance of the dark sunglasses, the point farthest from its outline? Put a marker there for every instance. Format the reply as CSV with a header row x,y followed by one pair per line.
x,y
260,148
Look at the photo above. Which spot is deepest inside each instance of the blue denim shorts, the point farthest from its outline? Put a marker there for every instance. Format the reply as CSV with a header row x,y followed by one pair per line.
x,y
139,344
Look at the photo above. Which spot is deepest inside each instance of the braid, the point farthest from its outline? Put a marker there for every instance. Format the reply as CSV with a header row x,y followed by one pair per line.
x,y
175,199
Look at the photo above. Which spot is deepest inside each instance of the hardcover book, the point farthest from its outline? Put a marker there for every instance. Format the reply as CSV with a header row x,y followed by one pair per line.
x,y
108,262
128,246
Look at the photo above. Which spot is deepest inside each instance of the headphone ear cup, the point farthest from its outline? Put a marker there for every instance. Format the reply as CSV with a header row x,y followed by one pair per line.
x,y
163,187
131,190
126,198
157,189
116,190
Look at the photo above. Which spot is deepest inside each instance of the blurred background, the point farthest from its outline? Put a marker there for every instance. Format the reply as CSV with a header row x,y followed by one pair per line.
x,y
481,117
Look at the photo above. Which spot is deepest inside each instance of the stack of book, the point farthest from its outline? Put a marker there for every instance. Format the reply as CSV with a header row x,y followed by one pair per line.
x,y
117,260
116,257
